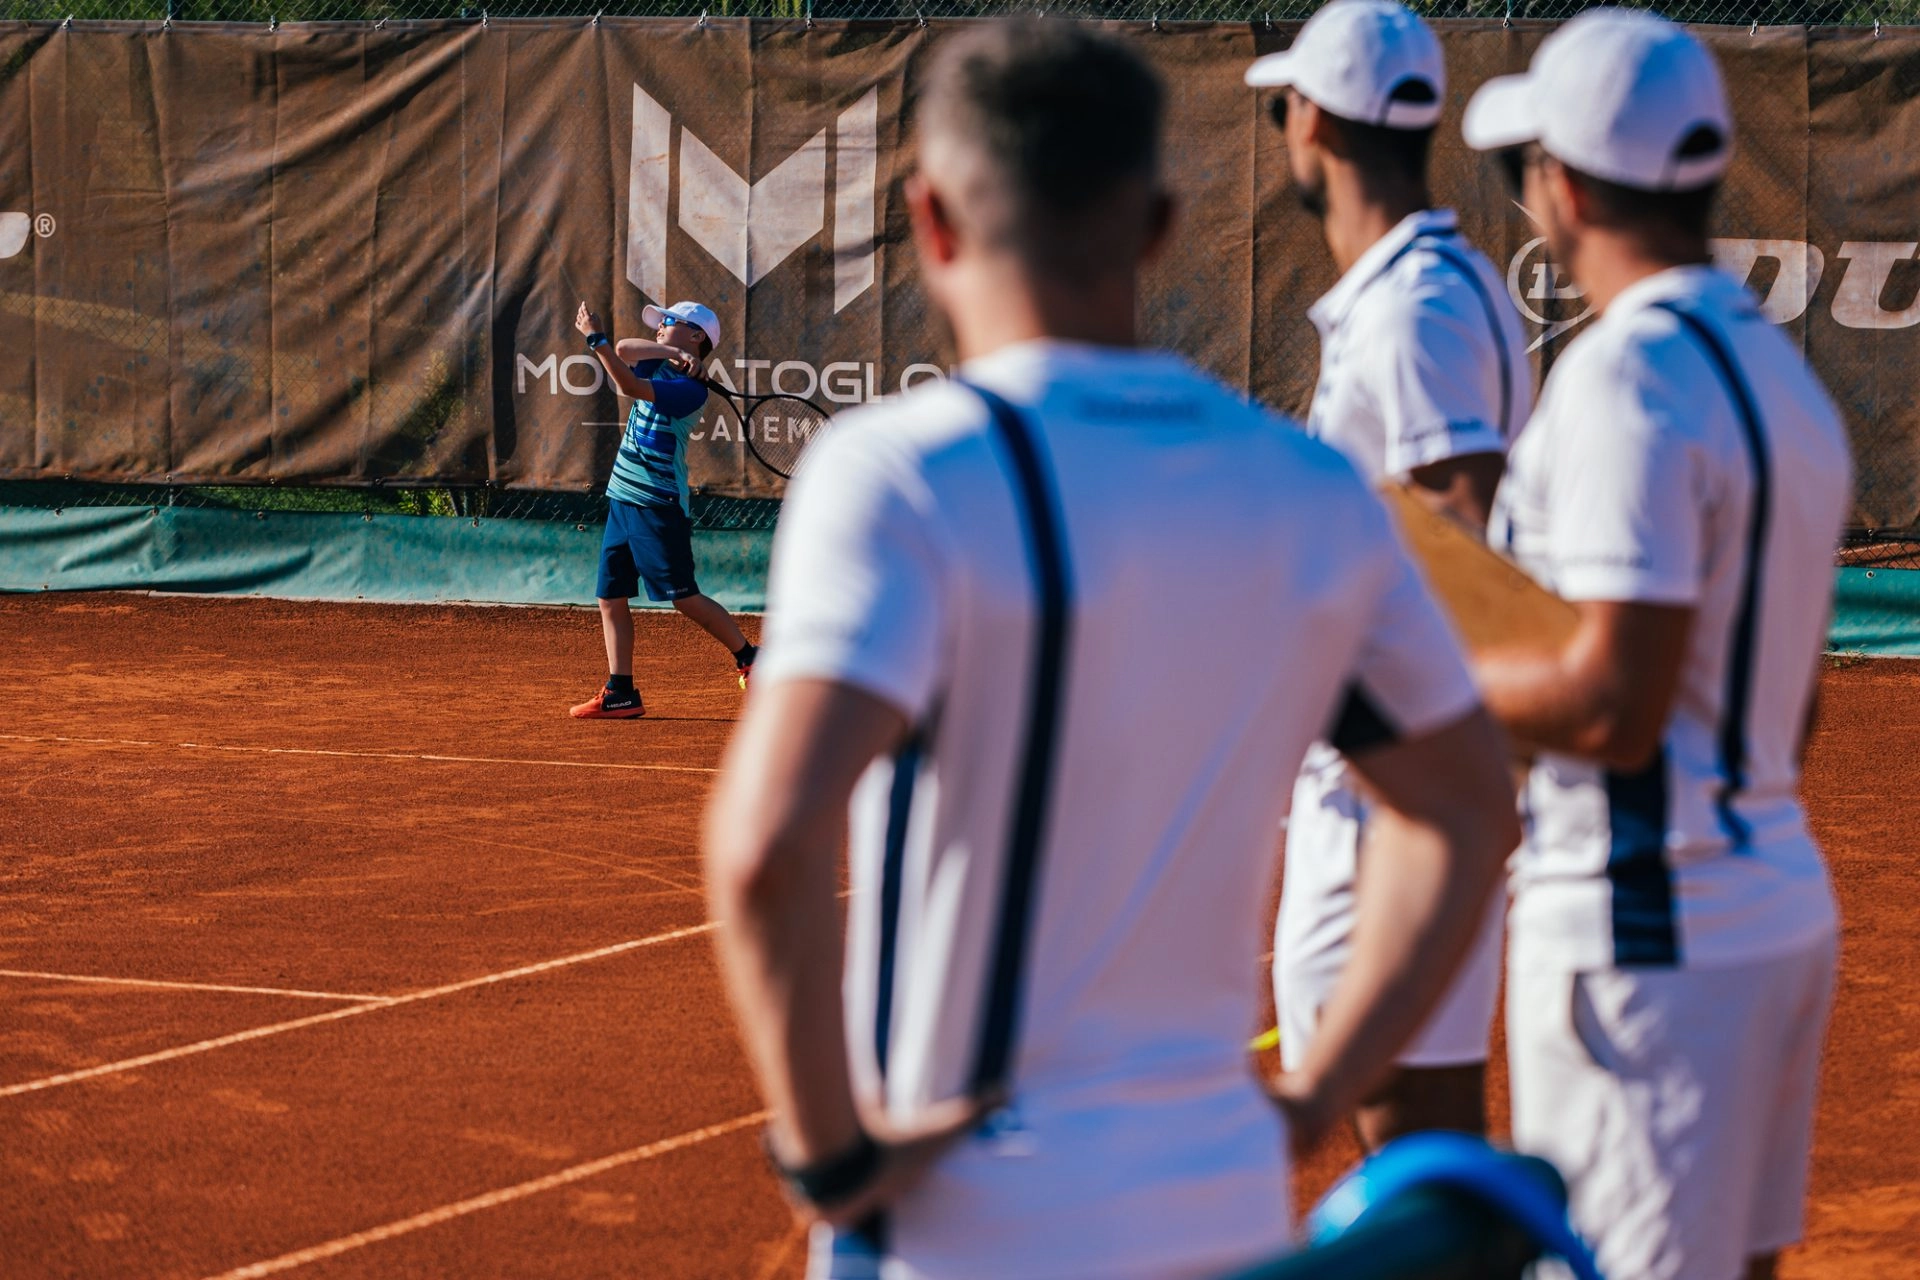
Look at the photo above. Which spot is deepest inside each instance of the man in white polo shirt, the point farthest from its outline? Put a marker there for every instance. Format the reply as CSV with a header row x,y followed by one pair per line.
x,y
1423,380
1684,482
1004,620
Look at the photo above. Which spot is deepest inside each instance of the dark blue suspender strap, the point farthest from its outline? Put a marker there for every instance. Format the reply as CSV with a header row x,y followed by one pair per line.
x,y
1740,658
906,771
1472,277
1045,538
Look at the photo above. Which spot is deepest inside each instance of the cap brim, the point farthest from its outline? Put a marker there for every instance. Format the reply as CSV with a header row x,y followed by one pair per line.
x,y
651,316
1501,115
1275,71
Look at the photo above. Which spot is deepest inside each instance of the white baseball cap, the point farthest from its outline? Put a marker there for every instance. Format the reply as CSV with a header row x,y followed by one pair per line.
x,y
1618,94
1369,61
692,313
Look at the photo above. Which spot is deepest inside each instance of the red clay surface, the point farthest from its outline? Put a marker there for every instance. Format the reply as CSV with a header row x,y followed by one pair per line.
x,y
257,795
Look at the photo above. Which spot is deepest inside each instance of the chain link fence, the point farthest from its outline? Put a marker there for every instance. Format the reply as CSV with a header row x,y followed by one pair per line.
x,y
1863,13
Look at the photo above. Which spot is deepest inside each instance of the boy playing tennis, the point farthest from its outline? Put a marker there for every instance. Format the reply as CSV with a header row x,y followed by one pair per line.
x,y
649,530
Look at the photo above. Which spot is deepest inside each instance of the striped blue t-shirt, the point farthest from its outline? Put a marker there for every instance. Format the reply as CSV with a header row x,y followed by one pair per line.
x,y
651,468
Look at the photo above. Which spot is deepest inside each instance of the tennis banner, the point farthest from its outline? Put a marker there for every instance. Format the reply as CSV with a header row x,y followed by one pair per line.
x,y
351,254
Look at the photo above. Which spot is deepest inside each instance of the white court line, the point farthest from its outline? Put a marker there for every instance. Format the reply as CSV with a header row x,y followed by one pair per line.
x,y
360,755
192,986
354,1011
506,1195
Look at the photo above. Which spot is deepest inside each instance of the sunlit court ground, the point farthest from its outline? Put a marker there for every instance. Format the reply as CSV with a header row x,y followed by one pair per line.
x,y
330,946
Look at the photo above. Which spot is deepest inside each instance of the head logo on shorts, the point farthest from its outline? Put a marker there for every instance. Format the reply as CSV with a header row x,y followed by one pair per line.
x,y
750,227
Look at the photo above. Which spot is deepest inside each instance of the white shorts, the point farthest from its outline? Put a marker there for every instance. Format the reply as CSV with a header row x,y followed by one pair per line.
x,y
1678,1103
1314,936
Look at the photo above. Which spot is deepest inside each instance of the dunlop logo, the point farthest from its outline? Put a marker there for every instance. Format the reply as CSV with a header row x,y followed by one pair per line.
x,y
1547,298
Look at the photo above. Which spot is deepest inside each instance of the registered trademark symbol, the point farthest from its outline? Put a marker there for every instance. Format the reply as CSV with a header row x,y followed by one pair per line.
x,y
43,226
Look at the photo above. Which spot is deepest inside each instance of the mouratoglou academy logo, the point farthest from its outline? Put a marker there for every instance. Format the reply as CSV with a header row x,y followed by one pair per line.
x,y
1545,296
751,226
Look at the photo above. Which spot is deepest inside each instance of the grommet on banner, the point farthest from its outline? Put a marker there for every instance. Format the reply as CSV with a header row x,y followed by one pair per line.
x,y
1876,27
483,19
68,25
1754,30
1156,22
596,16
167,23
703,20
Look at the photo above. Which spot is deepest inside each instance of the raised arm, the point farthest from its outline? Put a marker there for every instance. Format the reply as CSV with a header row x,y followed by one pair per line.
x,y
618,360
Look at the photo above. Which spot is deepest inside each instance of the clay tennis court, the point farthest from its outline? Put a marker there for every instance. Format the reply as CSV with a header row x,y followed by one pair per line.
x,y
330,946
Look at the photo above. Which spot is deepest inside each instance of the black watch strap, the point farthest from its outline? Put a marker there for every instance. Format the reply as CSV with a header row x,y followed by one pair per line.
x,y
835,1178
596,340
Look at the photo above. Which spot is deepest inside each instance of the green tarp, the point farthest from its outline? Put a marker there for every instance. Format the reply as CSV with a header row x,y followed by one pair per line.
x,y
302,556
413,559
1876,611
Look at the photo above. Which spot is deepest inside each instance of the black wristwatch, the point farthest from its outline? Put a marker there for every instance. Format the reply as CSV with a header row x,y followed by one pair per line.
x,y
596,340
836,1178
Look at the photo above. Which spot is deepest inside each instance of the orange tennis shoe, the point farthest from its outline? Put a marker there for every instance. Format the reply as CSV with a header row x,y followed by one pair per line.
x,y
608,705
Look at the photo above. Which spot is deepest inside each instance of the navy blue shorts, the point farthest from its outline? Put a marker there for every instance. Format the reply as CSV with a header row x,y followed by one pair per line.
x,y
651,545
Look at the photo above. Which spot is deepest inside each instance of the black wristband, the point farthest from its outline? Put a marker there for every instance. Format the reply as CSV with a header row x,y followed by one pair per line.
x,y
838,1177
596,340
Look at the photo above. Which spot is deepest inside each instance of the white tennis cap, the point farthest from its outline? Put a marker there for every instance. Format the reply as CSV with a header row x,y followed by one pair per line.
x,y
1369,61
692,313
1618,94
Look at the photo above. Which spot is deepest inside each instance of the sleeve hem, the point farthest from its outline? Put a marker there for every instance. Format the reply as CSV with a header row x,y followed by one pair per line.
x,y
1614,586
1462,701
892,690
1437,444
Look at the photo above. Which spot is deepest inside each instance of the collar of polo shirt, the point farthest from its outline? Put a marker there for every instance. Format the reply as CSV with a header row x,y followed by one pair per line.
x,y
1333,305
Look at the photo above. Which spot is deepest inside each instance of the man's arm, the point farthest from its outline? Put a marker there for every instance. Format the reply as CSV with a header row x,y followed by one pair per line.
x,y
1606,695
1442,827
774,831
1461,487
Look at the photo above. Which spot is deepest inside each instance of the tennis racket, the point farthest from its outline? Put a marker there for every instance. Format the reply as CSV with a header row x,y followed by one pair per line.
x,y
778,427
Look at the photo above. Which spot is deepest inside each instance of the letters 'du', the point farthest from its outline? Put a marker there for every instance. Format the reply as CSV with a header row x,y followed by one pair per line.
x,y
751,227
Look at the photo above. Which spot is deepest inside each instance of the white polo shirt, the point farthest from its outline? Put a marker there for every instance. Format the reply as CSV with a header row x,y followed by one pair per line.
x,y
1422,359
1640,479
1421,356
1231,582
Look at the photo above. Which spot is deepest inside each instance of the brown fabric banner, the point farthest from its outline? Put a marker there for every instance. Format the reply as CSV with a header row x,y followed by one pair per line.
x,y
348,254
